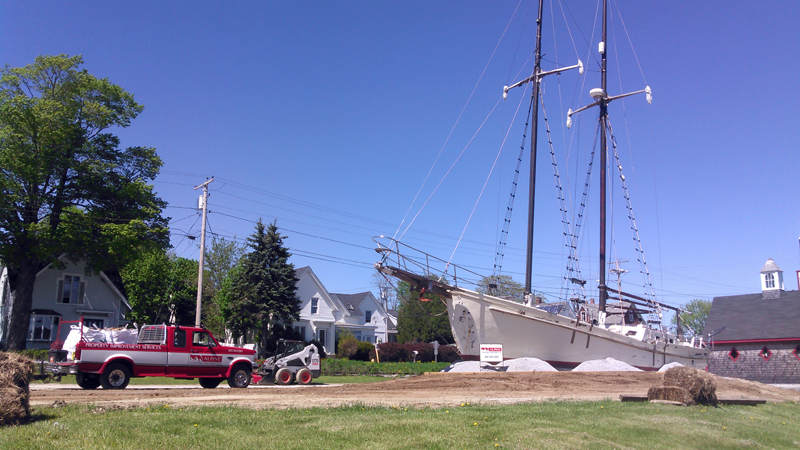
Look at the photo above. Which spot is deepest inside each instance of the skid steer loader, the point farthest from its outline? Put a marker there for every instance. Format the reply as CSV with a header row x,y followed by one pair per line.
x,y
291,362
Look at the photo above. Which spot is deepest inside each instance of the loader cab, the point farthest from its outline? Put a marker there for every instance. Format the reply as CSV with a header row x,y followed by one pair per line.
x,y
286,347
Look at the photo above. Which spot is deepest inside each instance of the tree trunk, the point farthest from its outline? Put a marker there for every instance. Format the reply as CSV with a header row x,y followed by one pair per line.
x,y
24,278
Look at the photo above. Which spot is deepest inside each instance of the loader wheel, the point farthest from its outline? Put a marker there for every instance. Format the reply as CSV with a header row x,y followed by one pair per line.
x,y
86,381
210,383
303,376
283,376
116,376
240,377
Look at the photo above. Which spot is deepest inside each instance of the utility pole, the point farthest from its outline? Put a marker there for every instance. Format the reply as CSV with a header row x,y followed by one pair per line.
x,y
202,251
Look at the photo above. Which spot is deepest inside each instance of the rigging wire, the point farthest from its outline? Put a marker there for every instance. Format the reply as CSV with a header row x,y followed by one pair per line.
x,y
485,183
425,180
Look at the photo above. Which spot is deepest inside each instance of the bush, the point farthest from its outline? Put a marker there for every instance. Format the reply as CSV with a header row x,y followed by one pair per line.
x,y
36,354
333,366
347,346
363,351
394,352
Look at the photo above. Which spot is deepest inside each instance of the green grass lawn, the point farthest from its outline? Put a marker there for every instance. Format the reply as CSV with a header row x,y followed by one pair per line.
x,y
581,425
70,380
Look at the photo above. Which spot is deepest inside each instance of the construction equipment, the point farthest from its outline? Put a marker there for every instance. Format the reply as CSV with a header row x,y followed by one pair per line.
x,y
291,362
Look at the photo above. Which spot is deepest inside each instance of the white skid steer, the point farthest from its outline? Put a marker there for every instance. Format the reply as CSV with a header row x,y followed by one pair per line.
x,y
291,362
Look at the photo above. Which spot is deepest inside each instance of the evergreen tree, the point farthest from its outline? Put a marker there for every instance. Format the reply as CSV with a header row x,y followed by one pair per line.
x,y
261,290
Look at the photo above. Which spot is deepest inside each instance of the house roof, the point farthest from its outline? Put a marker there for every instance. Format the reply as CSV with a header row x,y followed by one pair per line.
x,y
770,266
352,302
751,317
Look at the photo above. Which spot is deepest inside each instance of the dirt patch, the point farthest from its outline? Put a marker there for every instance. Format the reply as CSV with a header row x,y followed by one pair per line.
x,y
436,390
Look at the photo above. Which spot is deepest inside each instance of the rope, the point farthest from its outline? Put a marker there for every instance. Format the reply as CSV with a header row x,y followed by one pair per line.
x,y
453,129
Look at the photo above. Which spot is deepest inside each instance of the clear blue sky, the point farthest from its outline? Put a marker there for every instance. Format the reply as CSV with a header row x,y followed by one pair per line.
x,y
326,116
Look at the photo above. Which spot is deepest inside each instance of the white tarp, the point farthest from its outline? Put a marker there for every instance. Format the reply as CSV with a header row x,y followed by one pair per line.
x,y
109,335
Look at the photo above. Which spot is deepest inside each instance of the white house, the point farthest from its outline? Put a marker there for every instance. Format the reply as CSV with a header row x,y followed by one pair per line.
x,y
61,296
323,314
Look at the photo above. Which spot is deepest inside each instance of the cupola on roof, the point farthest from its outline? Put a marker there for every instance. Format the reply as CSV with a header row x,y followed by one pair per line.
x,y
770,266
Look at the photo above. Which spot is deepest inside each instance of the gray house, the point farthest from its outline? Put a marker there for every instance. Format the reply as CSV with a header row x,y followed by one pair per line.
x,y
62,296
757,336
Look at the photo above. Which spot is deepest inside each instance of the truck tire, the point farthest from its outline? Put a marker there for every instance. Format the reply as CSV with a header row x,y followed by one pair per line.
x,y
303,376
240,377
86,381
116,376
284,376
210,383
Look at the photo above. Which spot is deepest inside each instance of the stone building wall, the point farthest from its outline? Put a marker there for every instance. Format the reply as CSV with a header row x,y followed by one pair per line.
x,y
782,367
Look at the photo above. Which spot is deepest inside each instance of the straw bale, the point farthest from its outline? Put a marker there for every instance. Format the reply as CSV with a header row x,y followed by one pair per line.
x,y
670,393
702,386
15,375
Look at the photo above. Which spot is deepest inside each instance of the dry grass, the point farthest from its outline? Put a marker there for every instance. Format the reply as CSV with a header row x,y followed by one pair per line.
x,y
701,386
15,375
670,393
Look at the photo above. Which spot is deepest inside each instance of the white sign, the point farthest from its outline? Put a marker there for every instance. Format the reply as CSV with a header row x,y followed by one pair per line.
x,y
491,352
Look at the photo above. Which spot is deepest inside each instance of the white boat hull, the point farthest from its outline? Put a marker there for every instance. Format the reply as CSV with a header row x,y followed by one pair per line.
x,y
527,331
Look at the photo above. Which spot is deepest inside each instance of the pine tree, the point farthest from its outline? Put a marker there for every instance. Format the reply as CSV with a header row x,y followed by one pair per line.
x,y
261,290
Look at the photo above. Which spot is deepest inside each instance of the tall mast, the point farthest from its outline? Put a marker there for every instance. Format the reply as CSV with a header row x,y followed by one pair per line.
x,y
536,78
603,103
534,133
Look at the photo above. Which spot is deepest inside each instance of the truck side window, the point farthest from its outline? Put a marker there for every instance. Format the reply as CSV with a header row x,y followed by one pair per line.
x,y
180,338
202,339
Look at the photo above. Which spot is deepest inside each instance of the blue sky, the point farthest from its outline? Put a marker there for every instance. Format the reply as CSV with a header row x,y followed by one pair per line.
x,y
327,116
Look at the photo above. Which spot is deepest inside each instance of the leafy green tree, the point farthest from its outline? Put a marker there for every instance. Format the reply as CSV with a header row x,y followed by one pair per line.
x,y
261,290
222,256
160,286
421,319
506,288
66,186
694,319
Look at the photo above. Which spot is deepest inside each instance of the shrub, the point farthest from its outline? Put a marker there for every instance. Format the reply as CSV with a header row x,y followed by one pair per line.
x,y
393,352
36,354
363,351
332,366
347,346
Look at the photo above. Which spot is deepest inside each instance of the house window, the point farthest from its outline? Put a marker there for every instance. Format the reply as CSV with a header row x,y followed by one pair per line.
x,y
367,316
314,305
300,330
70,290
43,328
765,353
93,323
734,354
769,280
321,336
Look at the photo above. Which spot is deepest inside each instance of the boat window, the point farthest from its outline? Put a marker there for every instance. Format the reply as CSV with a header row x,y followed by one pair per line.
x,y
631,333
734,354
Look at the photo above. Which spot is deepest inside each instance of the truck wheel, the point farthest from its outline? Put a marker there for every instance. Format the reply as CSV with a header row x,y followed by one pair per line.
x,y
240,377
116,376
86,381
210,383
304,376
283,376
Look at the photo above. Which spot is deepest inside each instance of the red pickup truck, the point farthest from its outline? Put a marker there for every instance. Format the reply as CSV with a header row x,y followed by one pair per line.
x,y
159,351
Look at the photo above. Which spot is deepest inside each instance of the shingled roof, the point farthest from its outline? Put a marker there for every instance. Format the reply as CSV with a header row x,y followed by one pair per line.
x,y
751,317
352,302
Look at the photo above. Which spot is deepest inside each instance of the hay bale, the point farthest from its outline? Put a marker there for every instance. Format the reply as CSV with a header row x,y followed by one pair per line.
x,y
670,394
15,375
702,386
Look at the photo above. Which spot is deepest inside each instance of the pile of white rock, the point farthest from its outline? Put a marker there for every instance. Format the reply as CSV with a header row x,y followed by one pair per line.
x,y
666,367
605,365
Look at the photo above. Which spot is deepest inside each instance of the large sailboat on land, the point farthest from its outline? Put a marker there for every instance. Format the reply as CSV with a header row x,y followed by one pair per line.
x,y
570,332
